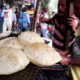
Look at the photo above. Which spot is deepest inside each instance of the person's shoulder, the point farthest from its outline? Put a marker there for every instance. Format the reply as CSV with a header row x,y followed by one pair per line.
x,y
4,10
54,17
27,14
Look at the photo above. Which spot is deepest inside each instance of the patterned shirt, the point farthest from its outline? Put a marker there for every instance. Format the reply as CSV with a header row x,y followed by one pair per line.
x,y
59,36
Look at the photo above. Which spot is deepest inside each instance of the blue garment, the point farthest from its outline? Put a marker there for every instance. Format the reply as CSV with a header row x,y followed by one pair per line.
x,y
1,21
24,21
1,18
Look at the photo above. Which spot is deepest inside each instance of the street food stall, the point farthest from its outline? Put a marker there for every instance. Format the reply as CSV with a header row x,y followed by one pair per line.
x,y
13,54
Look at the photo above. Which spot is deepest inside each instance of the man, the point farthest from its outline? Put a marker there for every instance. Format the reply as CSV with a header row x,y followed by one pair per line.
x,y
24,20
44,26
7,14
60,22
74,60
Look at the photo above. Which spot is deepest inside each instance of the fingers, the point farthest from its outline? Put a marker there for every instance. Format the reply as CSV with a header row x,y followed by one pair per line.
x,y
73,21
65,61
72,18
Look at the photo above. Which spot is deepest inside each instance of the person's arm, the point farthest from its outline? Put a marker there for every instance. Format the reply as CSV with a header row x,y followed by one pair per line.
x,y
47,20
14,19
28,20
73,21
71,60
2,15
74,60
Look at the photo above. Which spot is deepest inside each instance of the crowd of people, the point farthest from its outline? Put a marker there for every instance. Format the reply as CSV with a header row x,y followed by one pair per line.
x,y
10,18
61,22
22,18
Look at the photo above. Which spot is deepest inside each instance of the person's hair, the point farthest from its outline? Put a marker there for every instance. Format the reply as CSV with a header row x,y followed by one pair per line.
x,y
76,2
1,6
24,9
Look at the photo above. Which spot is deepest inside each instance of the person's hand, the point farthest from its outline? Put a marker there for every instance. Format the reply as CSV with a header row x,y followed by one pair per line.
x,y
73,22
63,53
5,12
43,19
65,61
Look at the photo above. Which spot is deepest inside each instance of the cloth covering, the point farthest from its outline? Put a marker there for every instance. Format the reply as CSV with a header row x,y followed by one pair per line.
x,y
75,72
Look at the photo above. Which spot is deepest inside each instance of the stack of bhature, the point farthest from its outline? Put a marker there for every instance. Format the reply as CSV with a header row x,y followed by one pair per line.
x,y
37,51
16,53
30,37
41,54
12,60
